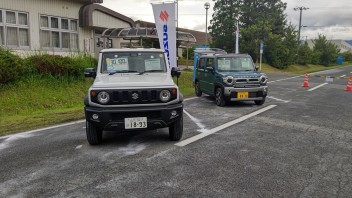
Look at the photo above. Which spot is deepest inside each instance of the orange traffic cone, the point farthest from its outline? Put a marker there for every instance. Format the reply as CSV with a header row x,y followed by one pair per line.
x,y
306,83
349,84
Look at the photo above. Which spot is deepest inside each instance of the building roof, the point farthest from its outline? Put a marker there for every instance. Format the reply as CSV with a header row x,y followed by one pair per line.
x,y
86,15
200,36
132,50
142,32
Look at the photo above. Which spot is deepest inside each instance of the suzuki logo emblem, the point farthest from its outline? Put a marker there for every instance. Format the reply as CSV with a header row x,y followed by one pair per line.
x,y
164,16
135,96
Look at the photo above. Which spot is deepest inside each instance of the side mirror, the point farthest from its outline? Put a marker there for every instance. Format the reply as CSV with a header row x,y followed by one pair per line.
x,y
256,68
90,72
210,69
175,71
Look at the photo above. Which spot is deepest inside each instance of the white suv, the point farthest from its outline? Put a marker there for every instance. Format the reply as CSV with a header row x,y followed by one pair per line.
x,y
133,90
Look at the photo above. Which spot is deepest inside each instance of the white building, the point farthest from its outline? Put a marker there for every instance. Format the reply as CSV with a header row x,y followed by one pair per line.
x,y
341,44
58,26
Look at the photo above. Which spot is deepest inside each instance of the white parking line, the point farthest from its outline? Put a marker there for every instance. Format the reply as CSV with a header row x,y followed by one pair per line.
x,y
187,99
221,127
195,120
317,87
284,101
284,79
43,129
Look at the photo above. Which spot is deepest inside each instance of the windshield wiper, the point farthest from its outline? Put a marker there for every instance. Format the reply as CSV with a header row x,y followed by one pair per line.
x,y
156,70
123,71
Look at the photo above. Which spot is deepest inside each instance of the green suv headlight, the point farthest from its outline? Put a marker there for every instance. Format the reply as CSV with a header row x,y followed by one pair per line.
x,y
103,97
229,80
165,95
263,80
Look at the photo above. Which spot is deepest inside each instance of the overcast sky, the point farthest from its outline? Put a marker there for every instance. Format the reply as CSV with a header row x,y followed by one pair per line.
x,y
333,18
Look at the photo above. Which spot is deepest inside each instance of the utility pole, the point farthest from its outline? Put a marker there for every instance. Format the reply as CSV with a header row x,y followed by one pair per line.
x,y
299,27
206,6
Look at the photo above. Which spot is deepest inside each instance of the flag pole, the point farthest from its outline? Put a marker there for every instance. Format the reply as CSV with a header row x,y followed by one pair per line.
x,y
237,37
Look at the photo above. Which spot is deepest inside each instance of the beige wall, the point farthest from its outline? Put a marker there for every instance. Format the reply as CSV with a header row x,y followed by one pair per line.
x,y
107,21
35,8
60,8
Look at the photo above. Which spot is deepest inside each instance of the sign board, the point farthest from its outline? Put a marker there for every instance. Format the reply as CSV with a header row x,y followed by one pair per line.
x,y
164,15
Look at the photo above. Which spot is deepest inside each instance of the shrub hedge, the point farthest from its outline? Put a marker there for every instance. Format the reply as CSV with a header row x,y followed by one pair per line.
x,y
11,66
60,65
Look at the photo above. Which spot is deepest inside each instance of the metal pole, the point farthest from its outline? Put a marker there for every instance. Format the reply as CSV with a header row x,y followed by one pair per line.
x,y
260,63
206,27
206,6
187,57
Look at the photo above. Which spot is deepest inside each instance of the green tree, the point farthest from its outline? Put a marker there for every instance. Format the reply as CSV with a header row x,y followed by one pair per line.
x,y
305,54
259,20
347,56
325,51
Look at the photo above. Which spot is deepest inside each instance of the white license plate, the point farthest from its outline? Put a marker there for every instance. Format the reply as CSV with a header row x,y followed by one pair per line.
x,y
136,123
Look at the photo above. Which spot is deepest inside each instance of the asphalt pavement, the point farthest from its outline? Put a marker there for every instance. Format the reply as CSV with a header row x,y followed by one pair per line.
x,y
298,144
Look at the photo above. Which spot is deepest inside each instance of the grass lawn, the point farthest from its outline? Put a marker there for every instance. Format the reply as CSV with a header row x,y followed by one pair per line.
x,y
38,101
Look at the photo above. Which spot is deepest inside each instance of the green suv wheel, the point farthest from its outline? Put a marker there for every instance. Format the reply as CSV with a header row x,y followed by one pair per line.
x,y
260,102
197,89
219,97
94,135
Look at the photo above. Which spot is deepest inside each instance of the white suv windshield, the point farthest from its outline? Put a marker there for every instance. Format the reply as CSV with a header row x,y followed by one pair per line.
x,y
229,64
133,62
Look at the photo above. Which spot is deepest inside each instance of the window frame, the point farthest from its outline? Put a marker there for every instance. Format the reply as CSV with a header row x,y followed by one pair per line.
x,y
61,32
17,26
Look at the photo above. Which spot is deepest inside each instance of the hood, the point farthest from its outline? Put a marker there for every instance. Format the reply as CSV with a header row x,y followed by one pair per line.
x,y
133,80
243,74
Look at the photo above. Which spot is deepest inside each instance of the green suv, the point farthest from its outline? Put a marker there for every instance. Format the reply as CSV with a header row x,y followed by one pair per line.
x,y
229,77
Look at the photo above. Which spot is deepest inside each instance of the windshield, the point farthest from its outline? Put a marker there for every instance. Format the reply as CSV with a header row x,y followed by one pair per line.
x,y
133,62
235,64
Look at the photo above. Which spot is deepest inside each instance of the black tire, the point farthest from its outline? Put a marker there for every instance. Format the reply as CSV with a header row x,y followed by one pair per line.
x,y
260,102
176,130
219,97
94,135
197,89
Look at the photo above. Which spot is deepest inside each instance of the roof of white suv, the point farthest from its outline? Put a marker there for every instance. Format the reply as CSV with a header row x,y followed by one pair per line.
x,y
132,50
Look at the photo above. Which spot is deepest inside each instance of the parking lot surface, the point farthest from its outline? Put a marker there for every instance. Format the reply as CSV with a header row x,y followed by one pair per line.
x,y
298,144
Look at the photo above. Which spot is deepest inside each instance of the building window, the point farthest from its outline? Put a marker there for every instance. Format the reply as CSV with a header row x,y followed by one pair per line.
x,y
58,33
10,17
1,36
14,29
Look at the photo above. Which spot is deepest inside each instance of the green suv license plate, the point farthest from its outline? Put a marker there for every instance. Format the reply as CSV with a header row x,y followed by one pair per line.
x,y
136,123
242,95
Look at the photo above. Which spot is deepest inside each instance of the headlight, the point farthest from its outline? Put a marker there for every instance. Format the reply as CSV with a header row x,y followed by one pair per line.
x,y
165,95
229,80
263,80
103,97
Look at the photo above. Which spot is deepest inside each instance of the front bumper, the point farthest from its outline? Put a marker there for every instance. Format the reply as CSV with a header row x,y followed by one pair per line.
x,y
254,93
113,118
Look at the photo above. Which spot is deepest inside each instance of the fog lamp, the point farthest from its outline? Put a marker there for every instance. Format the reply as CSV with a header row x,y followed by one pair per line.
x,y
95,116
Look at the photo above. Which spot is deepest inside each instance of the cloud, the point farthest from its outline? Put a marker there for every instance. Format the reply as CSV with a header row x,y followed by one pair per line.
x,y
321,16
